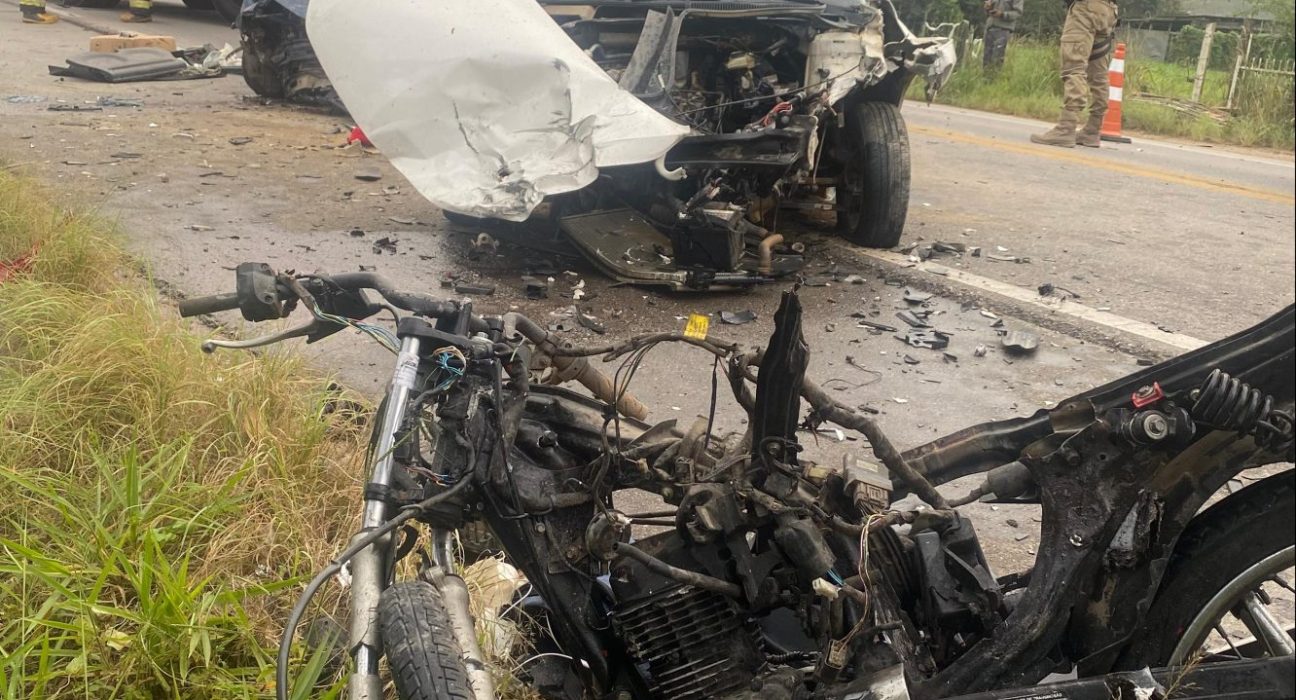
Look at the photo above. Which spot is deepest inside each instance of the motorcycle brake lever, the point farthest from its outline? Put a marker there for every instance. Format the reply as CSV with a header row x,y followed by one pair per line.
x,y
209,346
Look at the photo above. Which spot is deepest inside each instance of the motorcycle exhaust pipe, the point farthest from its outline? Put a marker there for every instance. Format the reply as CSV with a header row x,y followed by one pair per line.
x,y
454,593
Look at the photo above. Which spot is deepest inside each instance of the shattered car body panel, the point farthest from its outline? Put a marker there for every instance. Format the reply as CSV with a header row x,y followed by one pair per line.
x,y
486,107
702,118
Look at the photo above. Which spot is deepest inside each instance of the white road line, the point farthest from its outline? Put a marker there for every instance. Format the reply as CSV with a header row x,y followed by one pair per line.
x,y
1031,297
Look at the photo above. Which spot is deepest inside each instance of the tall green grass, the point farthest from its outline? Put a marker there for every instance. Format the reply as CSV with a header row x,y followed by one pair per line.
x,y
1029,85
159,508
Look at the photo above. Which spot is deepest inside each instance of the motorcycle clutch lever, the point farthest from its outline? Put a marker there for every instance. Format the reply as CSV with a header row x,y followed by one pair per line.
x,y
209,346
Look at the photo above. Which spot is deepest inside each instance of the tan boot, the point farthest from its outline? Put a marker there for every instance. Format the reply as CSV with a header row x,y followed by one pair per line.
x,y
1064,134
1091,135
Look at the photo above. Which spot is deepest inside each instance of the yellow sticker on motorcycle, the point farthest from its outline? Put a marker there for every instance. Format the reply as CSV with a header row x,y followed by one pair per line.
x,y
697,326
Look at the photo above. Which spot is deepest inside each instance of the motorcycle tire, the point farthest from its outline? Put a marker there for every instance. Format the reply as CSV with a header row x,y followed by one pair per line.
x,y
425,660
1219,545
873,193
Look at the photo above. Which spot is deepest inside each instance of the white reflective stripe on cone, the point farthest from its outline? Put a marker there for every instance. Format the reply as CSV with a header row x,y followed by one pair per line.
x,y
1114,93
1117,66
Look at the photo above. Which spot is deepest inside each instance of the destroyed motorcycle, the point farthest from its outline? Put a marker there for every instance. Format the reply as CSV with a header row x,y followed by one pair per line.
x,y
769,576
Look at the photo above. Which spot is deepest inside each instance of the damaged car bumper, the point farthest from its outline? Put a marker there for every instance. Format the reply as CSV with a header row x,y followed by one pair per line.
x,y
671,133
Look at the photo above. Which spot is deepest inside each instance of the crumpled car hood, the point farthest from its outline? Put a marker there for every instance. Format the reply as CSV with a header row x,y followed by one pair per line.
x,y
485,106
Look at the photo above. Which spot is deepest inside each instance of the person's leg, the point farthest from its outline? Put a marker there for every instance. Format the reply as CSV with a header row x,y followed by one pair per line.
x,y
1099,91
140,11
33,12
996,44
1077,44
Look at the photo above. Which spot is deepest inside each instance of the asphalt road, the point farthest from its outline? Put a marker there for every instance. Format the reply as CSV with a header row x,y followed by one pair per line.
x,y
1165,243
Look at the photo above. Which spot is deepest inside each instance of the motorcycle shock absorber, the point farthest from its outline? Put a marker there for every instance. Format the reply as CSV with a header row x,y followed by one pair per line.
x,y
1228,403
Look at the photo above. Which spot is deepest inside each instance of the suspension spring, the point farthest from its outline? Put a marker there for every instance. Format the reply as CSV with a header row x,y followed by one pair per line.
x,y
1227,403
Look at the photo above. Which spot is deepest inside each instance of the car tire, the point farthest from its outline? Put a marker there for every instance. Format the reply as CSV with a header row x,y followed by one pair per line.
x,y
873,189
425,660
1216,547
200,5
228,9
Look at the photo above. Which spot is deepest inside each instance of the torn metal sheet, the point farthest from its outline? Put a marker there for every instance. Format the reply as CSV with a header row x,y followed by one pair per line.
x,y
486,107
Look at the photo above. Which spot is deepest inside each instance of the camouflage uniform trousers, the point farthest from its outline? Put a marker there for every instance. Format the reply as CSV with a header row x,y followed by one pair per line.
x,y
1087,38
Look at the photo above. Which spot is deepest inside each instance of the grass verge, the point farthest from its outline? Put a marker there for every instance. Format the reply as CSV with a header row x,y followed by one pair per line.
x,y
159,508
1028,85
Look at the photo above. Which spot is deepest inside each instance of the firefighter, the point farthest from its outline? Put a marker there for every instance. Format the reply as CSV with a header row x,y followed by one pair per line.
x,y
1087,38
140,11
33,12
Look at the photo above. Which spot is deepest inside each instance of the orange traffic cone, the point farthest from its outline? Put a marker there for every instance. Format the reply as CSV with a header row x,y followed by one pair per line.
x,y
1111,126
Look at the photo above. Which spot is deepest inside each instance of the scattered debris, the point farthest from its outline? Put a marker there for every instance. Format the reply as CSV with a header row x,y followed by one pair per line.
x,y
897,399
950,357
830,327
403,220
368,174
914,296
926,338
535,287
118,102
989,314
132,65
1144,362
200,227
864,323
853,279
357,233
1048,289
73,108
1007,258
24,99
485,244
357,135
1020,536
946,247
974,251
737,318
911,360
1020,342
980,351
912,319
385,245
593,324
240,140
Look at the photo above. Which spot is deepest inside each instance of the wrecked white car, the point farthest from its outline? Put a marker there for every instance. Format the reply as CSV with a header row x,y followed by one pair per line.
x,y
668,136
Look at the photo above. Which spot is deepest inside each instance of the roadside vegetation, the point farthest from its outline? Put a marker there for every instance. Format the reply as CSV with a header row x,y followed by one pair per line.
x,y
1028,85
159,508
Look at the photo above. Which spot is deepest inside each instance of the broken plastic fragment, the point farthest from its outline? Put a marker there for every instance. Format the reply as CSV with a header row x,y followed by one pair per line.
x,y
486,107
737,318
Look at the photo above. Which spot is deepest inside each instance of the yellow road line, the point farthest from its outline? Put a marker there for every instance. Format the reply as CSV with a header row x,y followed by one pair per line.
x,y
1068,156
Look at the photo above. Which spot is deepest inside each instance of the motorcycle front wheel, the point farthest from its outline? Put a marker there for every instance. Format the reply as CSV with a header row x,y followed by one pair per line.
x,y
1228,591
425,660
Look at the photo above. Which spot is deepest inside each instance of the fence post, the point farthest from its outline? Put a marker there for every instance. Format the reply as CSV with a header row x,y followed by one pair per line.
x,y
1237,70
1203,60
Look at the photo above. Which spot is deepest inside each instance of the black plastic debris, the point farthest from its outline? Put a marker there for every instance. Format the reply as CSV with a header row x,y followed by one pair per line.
x,y
913,296
737,318
1048,289
911,360
927,338
126,65
865,323
385,245
535,287
912,319
1020,342
368,174
357,233
947,247
950,357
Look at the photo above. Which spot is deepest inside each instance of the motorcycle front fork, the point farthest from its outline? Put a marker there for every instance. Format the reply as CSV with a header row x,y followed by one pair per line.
x,y
369,567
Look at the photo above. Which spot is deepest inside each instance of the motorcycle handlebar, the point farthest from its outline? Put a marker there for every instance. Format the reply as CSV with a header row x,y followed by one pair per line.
x,y
575,369
198,306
